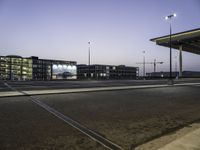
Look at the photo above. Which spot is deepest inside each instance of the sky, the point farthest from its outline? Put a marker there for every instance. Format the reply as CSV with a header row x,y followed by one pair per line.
x,y
118,30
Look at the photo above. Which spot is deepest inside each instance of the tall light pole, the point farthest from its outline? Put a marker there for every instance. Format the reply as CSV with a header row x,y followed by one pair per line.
x,y
88,59
143,63
170,41
88,53
154,66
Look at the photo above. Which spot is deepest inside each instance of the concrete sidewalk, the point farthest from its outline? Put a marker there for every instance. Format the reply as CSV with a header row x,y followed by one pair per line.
x,y
190,141
10,94
187,138
60,91
94,89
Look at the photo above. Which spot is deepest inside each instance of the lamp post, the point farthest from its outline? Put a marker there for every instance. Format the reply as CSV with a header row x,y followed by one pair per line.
x,y
89,53
88,59
143,64
170,41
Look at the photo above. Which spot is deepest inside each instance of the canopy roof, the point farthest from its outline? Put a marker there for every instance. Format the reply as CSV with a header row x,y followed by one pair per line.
x,y
190,41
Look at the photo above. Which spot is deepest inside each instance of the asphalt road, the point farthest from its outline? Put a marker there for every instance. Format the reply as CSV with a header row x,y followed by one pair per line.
x,y
126,117
42,85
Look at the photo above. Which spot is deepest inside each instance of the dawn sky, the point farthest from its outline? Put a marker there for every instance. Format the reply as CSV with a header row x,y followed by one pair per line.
x,y
119,30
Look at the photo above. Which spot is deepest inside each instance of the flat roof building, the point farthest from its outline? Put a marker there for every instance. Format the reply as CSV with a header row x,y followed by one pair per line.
x,y
97,71
14,67
185,74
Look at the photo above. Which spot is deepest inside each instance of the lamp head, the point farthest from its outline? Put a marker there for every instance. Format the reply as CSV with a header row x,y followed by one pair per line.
x,y
174,15
170,16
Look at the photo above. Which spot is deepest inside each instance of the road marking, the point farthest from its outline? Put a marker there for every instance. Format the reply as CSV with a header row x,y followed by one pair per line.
x,y
93,135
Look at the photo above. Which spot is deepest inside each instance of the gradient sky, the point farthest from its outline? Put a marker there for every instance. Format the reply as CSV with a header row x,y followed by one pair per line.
x,y
119,30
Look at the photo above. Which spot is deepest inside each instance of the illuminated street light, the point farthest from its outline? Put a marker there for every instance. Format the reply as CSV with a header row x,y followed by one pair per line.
x,y
88,59
170,41
170,16
174,15
144,64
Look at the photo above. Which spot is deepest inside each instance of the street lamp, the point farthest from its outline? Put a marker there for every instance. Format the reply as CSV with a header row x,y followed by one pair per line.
x,y
170,40
88,59
143,64
88,53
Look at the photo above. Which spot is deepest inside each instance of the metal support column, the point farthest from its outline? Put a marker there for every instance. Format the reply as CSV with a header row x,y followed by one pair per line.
x,y
180,60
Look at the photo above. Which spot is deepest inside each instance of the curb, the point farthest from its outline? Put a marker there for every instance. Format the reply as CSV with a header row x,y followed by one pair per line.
x,y
83,90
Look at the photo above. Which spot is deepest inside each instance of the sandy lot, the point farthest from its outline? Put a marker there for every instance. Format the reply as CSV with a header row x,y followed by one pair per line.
x,y
25,126
131,117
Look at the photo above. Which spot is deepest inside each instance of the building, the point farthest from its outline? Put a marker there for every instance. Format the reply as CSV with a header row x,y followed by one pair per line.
x,y
14,67
185,74
161,74
106,72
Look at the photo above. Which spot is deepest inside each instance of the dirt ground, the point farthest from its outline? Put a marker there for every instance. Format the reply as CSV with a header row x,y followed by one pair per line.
x,y
126,117
25,126
131,117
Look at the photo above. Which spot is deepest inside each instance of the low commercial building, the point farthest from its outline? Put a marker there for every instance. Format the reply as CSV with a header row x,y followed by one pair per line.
x,y
14,67
97,71
185,74
161,74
